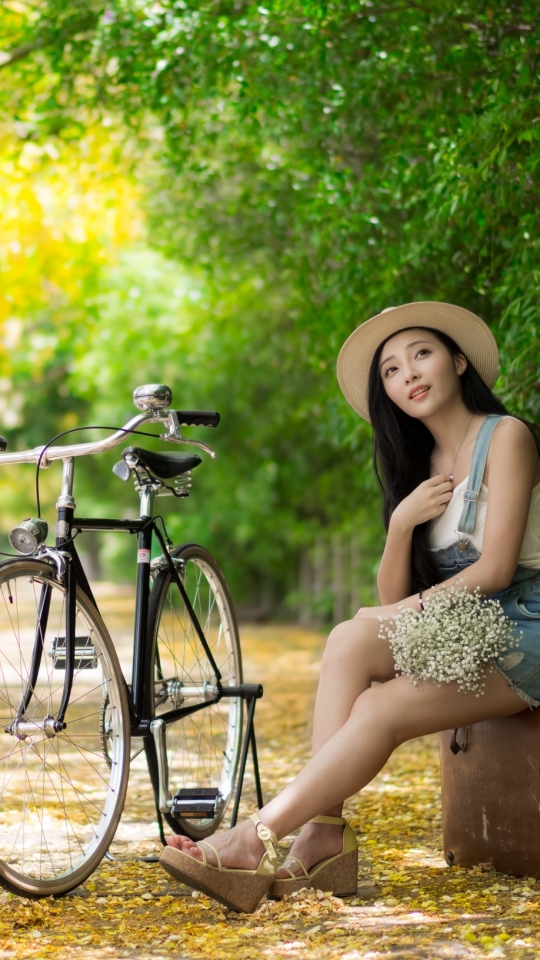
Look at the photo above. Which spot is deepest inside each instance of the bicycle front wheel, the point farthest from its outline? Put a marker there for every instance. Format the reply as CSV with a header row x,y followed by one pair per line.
x,y
203,747
61,790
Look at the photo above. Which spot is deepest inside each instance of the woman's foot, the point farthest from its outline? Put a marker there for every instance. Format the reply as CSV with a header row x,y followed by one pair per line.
x,y
238,880
239,847
316,842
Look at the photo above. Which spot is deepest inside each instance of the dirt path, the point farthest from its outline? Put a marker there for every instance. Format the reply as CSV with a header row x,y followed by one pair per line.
x,y
409,903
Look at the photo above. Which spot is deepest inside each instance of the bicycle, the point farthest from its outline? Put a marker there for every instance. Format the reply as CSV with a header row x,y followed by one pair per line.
x,y
67,713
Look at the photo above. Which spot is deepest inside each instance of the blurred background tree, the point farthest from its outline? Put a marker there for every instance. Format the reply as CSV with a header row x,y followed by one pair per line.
x,y
215,194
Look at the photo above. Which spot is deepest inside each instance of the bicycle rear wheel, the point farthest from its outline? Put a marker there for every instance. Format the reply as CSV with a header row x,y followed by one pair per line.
x,y
61,792
202,748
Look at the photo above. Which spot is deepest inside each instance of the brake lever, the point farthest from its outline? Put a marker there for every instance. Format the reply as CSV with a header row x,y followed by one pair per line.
x,y
175,435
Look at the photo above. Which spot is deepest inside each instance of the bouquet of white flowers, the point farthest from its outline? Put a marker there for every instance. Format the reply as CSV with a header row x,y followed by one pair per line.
x,y
455,638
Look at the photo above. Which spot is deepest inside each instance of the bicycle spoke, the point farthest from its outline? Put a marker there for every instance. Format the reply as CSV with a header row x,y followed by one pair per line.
x,y
60,798
202,747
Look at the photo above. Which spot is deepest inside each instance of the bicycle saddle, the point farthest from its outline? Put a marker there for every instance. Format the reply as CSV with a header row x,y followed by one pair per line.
x,y
164,465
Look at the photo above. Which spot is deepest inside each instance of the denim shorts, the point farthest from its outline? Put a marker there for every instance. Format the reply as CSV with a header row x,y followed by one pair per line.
x,y
521,604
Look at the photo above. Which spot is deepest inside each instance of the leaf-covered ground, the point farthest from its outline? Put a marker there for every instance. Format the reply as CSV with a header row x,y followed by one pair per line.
x,y
409,903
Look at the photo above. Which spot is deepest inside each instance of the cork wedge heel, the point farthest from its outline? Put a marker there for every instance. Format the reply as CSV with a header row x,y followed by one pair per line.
x,y
239,890
338,875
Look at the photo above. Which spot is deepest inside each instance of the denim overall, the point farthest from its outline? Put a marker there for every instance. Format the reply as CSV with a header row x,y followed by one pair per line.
x,y
520,601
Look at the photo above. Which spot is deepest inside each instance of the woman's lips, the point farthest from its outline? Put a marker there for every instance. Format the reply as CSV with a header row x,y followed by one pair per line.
x,y
422,392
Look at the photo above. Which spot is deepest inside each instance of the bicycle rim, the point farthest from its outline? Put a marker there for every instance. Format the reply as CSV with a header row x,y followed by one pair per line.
x,y
202,748
61,796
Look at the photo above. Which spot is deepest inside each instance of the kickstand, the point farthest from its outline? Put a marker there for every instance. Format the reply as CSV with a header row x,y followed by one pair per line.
x,y
253,693
160,826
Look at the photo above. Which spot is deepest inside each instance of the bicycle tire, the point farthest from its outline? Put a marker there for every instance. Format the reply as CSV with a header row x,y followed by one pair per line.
x,y
60,798
203,748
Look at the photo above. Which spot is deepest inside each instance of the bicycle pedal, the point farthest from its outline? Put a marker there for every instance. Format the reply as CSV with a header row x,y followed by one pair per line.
x,y
85,653
197,803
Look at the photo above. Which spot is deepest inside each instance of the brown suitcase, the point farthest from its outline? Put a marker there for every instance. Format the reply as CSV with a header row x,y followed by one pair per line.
x,y
490,779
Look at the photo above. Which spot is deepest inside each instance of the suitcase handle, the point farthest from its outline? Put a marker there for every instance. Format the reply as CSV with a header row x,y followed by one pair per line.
x,y
457,745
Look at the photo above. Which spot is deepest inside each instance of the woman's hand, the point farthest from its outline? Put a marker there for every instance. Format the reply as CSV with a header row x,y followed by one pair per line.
x,y
427,501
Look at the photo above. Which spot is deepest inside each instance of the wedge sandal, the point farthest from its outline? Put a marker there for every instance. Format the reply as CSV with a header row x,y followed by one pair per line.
x,y
337,875
239,890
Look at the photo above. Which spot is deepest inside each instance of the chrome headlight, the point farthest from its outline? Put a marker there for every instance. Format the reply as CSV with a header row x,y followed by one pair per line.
x,y
28,535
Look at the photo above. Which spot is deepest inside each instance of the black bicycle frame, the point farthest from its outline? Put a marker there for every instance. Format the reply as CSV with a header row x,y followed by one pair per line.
x,y
37,653
139,697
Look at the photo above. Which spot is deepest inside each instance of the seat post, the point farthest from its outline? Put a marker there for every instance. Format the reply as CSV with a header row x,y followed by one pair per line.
x,y
147,495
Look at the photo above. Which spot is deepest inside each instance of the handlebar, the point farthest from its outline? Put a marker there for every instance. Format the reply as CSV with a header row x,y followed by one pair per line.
x,y
79,449
198,418
173,419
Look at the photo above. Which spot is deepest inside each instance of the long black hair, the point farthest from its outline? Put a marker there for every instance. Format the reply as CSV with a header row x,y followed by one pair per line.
x,y
402,448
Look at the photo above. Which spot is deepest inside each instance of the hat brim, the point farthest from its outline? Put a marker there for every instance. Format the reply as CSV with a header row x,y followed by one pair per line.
x,y
470,333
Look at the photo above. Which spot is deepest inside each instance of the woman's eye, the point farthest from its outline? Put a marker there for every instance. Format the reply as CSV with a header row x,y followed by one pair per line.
x,y
423,350
389,370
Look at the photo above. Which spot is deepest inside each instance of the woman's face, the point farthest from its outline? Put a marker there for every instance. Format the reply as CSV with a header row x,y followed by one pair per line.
x,y
419,374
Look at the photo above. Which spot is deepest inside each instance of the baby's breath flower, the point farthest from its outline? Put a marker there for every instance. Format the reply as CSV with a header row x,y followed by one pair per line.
x,y
456,637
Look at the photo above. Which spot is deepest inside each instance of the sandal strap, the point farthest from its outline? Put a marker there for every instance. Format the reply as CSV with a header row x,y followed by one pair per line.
x,y
295,876
204,843
267,837
322,819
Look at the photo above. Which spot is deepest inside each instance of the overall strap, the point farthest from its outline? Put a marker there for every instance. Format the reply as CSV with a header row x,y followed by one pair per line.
x,y
467,519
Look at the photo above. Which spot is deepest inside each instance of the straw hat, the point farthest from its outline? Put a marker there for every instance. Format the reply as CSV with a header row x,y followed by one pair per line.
x,y
469,332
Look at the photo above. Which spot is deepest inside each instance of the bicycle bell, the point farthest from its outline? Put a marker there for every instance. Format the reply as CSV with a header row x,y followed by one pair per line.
x,y
26,537
152,396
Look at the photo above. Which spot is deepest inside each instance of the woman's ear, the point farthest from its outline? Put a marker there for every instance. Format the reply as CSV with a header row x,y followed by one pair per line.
x,y
461,363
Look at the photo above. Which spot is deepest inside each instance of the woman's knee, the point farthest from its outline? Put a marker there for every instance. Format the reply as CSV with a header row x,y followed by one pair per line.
x,y
377,707
342,631
357,641
344,636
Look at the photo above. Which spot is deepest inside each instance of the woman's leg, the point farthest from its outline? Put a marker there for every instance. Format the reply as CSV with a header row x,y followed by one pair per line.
x,y
382,718
354,657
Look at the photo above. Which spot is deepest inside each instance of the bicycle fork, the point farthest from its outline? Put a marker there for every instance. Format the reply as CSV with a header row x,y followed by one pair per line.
x,y
66,507
22,727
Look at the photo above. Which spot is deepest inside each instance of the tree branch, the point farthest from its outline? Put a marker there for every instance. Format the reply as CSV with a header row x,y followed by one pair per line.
x,y
52,34
7,57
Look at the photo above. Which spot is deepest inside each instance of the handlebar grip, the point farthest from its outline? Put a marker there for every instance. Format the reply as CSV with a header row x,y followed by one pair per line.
x,y
198,418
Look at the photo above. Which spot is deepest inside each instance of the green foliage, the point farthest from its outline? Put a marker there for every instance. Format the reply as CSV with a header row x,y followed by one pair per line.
x,y
314,163
364,155
275,480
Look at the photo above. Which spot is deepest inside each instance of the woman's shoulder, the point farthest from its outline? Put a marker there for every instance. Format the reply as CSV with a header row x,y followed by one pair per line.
x,y
512,444
513,432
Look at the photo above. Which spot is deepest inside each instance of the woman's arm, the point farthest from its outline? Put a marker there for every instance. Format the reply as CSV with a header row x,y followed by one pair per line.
x,y
513,470
394,579
428,500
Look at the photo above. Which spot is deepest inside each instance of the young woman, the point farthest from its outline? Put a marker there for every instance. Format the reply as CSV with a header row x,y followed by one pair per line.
x,y
461,491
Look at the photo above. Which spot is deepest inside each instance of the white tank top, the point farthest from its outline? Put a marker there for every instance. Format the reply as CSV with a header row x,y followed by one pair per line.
x,y
443,532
